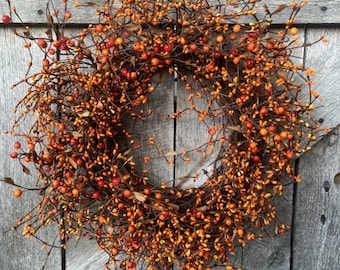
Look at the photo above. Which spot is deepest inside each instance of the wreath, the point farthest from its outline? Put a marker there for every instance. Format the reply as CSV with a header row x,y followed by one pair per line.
x,y
92,84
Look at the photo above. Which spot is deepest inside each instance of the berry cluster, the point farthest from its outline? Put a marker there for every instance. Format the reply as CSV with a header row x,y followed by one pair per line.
x,y
90,85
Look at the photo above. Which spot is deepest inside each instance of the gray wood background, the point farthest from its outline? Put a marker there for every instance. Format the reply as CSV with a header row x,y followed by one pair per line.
x,y
312,207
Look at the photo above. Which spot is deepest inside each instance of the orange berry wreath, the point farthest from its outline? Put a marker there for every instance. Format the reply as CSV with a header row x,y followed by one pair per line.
x,y
90,85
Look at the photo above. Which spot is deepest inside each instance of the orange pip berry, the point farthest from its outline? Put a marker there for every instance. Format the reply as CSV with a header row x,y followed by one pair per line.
x,y
68,15
220,38
263,131
17,193
293,31
237,28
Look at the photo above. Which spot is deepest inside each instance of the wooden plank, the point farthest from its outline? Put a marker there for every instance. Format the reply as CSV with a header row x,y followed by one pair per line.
x,y
16,252
315,12
323,57
269,253
316,242
273,252
192,137
160,126
155,134
35,11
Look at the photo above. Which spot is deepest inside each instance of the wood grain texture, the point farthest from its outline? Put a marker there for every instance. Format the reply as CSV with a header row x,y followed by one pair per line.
x,y
192,135
316,242
154,136
85,255
271,253
323,57
315,12
17,252
35,11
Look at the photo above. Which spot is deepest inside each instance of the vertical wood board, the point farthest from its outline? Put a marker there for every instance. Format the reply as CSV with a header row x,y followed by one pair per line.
x,y
316,167
17,252
323,57
315,12
160,126
316,242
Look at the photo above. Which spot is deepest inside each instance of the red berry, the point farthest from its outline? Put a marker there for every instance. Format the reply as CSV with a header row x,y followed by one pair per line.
x,y
234,52
145,55
74,141
249,125
212,131
167,48
110,43
289,154
126,193
42,43
254,35
55,183
256,159
95,195
157,49
45,63
243,98
263,111
193,47
61,127
164,215
101,183
17,145
68,15
114,251
56,43
115,181
124,72
251,46
217,54
6,19
68,174
63,46
14,155
140,213
250,63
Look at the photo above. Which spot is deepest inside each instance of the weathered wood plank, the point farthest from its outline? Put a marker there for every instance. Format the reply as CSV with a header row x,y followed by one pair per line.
x,y
315,12
85,255
16,252
324,58
35,12
316,242
270,252
192,137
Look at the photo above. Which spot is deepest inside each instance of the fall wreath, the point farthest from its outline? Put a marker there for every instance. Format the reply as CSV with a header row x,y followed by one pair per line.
x,y
91,84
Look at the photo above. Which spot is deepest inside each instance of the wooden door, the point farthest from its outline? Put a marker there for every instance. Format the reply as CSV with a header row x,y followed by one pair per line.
x,y
311,207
